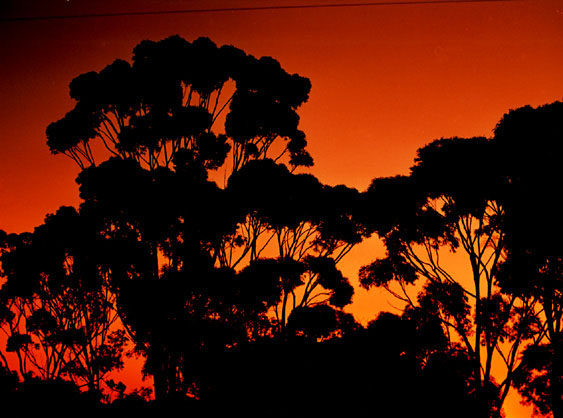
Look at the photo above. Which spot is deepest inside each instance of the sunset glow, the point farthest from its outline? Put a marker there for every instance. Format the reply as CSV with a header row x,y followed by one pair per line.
x,y
385,80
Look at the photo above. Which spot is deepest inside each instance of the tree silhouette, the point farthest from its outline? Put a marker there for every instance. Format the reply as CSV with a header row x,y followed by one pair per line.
x,y
531,140
198,240
169,100
58,308
191,302
197,268
453,200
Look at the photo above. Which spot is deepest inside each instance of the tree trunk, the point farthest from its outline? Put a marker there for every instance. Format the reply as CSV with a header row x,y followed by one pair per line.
x,y
160,385
555,378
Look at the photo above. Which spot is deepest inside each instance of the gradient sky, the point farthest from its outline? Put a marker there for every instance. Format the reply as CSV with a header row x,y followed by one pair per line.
x,y
386,80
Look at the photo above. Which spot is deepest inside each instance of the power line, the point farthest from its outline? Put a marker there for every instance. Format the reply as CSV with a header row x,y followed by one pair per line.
x,y
250,9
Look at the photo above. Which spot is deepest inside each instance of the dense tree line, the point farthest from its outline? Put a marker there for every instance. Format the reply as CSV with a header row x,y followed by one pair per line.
x,y
201,245
492,200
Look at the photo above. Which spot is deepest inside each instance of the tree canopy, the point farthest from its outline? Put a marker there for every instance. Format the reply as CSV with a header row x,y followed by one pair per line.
x,y
170,98
189,266
202,243
493,201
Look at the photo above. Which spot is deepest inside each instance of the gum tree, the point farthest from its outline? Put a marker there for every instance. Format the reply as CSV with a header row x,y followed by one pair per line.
x,y
530,138
196,267
452,202
59,314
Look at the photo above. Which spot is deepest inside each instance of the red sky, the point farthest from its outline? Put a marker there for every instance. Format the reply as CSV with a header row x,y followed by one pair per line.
x,y
386,80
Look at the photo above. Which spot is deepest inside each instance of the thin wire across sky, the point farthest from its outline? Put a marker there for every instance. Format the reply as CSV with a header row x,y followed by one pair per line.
x,y
251,8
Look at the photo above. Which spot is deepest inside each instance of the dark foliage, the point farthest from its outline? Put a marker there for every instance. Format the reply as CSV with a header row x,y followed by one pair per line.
x,y
160,255
531,141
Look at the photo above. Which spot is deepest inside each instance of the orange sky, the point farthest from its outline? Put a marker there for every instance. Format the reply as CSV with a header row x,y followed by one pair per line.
x,y
386,80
